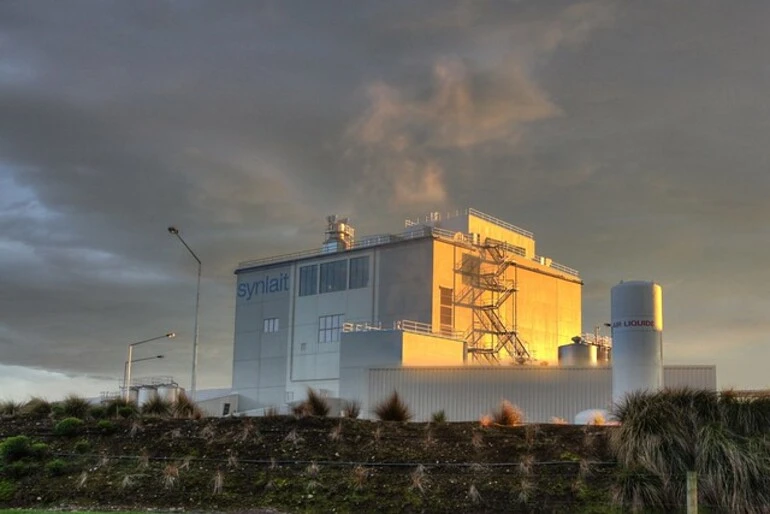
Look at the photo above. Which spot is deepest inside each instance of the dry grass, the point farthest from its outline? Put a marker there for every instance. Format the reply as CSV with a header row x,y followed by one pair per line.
x,y
418,478
136,427
185,408
477,440
10,408
82,479
293,437
317,405
526,490
170,476
558,421
393,409
486,421
360,475
232,461
474,495
36,407
525,464
312,470
351,409
127,482
218,482
335,434
74,406
157,407
144,460
508,414
530,435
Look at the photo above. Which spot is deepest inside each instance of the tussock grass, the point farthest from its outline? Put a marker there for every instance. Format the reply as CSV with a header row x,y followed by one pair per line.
x,y
393,408
185,408
351,409
507,414
157,407
663,435
10,408
36,407
74,406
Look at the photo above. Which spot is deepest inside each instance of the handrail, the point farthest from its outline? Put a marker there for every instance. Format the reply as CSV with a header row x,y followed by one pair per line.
x,y
501,223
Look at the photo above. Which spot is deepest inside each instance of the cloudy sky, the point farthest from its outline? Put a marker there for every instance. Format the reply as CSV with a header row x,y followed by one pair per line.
x,y
632,138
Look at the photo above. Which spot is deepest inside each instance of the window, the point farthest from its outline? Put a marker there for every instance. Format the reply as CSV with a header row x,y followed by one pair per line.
x,y
334,276
308,280
359,272
271,325
329,328
445,309
225,409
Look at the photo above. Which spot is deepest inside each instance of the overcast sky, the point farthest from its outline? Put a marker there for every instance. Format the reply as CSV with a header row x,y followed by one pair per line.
x,y
632,138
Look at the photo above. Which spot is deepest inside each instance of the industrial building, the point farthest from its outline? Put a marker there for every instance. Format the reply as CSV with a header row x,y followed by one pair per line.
x,y
456,306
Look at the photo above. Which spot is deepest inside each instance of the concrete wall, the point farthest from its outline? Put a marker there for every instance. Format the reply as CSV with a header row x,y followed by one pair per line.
x,y
214,407
260,359
467,393
388,348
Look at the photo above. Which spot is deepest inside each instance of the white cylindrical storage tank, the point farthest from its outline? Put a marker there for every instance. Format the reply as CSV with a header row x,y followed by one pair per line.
x,y
168,392
637,338
582,355
146,393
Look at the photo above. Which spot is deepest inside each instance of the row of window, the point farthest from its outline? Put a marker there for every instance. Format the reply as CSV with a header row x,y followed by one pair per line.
x,y
334,276
329,327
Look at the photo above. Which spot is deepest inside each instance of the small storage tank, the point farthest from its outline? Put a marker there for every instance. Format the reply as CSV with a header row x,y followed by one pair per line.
x,y
169,392
603,355
576,354
146,393
637,338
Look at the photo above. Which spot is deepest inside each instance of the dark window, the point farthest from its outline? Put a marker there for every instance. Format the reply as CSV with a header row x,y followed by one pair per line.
x,y
329,328
308,280
334,276
445,309
359,272
226,409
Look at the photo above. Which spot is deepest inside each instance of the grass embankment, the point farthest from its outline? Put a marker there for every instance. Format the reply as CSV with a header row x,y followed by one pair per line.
x,y
309,464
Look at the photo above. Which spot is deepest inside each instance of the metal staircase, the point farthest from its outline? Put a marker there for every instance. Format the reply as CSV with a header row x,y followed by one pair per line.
x,y
487,293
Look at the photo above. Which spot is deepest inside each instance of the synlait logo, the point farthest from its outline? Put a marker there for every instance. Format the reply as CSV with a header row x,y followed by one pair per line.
x,y
265,286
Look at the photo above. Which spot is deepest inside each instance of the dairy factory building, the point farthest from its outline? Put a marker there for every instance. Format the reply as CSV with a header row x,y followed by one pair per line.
x,y
453,308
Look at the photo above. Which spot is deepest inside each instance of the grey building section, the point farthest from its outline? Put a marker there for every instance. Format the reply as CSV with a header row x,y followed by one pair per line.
x,y
466,393
276,363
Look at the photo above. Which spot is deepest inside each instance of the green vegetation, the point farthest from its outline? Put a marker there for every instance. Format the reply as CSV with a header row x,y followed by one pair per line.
x,y
438,417
56,467
7,490
37,408
68,427
15,448
10,408
113,407
106,426
82,446
157,406
75,406
393,409
664,435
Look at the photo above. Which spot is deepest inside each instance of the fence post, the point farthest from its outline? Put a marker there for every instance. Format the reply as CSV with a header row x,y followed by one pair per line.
x,y
692,492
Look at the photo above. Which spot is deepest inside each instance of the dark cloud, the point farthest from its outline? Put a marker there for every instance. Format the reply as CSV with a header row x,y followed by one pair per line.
x,y
629,138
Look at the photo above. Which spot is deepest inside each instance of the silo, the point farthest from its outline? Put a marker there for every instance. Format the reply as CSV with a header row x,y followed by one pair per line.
x,y
637,338
582,355
603,355
146,393
169,392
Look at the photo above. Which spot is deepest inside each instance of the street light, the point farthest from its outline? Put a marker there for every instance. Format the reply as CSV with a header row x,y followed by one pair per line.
x,y
170,335
175,232
126,385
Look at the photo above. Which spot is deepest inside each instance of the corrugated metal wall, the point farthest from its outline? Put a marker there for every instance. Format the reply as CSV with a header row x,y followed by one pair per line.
x,y
467,393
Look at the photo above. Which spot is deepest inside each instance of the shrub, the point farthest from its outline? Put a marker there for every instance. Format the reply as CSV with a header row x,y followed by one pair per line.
x,y
185,408
113,405
75,406
127,412
20,469
39,450
37,407
393,409
10,408
7,490
57,410
438,417
98,412
351,409
56,467
106,426
82,446
15,448
68,427
508,414
317,405
157,406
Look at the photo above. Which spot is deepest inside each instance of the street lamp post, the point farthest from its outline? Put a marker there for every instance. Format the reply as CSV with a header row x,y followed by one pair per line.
x,y
175,232
126,385
129,360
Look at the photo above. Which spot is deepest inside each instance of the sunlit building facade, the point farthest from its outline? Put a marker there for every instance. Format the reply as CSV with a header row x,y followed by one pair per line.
x,y
458,290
